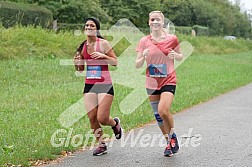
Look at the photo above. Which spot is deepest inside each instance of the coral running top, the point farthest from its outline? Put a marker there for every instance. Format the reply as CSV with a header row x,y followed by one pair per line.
x,y
160,69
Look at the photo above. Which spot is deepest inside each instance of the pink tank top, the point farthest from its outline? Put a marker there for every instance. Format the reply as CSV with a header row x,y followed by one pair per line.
x,y
97,69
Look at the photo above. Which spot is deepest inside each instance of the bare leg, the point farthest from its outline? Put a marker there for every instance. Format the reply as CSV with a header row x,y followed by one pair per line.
x,y
103,114
164,107
91,105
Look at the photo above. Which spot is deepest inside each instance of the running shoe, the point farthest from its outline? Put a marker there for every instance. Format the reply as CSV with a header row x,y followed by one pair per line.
x,y
174,143
101,149
167,151
117,129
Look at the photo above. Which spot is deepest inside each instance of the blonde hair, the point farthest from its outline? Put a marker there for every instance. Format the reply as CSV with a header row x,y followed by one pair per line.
x,y
157,11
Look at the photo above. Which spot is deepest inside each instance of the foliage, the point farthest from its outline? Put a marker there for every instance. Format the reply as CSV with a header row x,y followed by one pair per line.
x,y
25,14
69,26
200,30
184,30
72,11
134,10
221,16
179,11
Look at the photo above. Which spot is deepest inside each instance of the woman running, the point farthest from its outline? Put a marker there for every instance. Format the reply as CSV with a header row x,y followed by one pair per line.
x,y
159,50
97,54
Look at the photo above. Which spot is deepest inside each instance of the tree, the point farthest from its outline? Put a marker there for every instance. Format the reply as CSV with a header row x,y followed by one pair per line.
x,y
221,16
72,11
179,12
134,10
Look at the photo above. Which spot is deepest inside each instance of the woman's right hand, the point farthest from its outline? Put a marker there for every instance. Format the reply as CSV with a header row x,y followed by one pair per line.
x,y
141,58
78,62
145,53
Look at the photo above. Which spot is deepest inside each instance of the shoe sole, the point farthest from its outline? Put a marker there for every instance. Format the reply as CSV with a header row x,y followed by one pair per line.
x,y
174,152
168,155
105,152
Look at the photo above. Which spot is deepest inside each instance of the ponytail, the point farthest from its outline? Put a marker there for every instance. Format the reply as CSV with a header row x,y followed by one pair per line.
x,y
99,34
80,48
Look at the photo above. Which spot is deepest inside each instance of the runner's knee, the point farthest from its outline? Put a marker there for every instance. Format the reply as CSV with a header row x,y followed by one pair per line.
x,y
154,105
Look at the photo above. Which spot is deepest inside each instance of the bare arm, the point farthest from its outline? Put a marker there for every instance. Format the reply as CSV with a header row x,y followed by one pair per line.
x,y
79,62
141,58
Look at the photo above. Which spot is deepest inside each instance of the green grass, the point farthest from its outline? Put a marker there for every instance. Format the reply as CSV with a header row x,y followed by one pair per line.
x,y
25,42
36,89
203,77
217,45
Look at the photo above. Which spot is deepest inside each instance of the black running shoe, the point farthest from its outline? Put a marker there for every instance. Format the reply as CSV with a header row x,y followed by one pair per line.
x,y
117,129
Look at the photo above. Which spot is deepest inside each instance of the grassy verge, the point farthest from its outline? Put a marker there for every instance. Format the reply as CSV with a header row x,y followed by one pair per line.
x,y
217,45
26,42
36,90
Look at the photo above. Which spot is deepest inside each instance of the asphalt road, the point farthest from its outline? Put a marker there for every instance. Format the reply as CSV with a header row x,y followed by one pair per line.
x,y
214,133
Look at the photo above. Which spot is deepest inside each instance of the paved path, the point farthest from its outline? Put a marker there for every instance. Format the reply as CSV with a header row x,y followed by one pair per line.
x,y
215,133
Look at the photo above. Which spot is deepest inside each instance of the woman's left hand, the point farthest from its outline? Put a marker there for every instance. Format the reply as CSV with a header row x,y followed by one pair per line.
x,y
172,54
98,55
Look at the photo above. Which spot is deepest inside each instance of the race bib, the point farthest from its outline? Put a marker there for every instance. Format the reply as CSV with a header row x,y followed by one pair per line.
x,y
158,70
93,72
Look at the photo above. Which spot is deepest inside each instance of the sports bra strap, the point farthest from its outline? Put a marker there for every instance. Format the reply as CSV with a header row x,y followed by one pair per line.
x,y
98,49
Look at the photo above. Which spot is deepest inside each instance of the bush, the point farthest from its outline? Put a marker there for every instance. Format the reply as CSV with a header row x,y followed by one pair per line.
x,y
70,26
201,30
184,30
15,13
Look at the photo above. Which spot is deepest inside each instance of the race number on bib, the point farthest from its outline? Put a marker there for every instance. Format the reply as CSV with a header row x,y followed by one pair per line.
x,y
158,70
93,72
